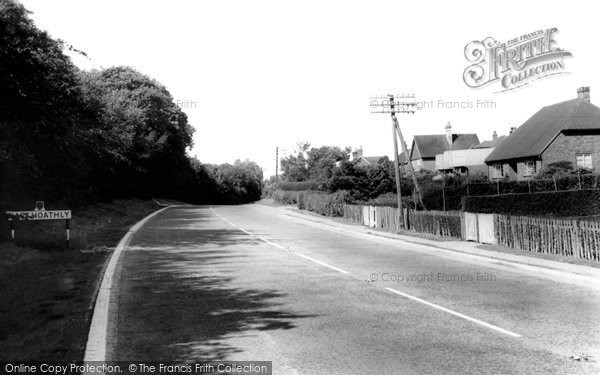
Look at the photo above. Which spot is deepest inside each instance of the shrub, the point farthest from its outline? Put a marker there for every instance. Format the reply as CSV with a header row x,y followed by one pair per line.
x,y
326,204
300,186
553,204
390,200
285,197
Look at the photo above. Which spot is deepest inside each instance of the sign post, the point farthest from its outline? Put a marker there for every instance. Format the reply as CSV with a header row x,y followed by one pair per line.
x,y
39,213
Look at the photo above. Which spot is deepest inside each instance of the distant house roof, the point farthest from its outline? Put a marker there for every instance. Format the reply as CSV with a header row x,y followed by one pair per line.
x,y
536,134
372,159
491,143
368,160
431,145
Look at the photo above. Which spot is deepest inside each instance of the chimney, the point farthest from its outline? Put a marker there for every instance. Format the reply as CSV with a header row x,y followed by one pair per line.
x,y
494,136
449,133
583,93
512,129
358,153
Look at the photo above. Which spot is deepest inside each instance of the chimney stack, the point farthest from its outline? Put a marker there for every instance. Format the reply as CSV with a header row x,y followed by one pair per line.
x,y
494,136
583,93
358,153
449,133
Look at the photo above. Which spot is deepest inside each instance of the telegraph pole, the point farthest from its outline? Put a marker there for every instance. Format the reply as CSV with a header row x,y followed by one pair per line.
x,y
397,164
410,166
388,105
277,164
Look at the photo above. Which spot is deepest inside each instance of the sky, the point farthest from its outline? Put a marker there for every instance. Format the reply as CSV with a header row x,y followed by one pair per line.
x,y
256,75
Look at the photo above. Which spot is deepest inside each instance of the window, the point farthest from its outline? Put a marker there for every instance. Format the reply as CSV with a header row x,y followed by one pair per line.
x,y
584,161
497,171
530,168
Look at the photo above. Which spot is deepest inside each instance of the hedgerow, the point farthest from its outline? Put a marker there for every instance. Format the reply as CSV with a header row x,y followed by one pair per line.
x,y
325,204
555,204
300,186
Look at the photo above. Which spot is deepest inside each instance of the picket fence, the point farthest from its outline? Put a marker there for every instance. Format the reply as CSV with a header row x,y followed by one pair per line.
x,y
433,222
573,238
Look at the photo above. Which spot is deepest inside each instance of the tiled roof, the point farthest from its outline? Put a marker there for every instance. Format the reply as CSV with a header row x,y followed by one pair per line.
x,y
372,159
491,143
532,138
431,145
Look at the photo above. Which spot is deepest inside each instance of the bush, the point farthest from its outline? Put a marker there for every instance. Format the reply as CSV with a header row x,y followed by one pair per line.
x,y
551,204
300,186
285,197
389,200
325,204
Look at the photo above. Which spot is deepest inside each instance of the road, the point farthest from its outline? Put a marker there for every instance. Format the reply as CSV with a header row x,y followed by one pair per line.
x,y
252,283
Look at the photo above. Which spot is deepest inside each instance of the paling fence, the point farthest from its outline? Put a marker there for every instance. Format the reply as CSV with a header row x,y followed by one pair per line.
x,y
576,238
387,218
572,237
441,223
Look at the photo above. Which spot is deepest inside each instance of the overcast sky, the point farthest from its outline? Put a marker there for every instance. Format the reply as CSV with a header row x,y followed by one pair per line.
x,y
261,74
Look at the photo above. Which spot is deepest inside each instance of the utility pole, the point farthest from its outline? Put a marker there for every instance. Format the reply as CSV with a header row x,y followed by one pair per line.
x,y
276,164
403,142
397,164
397,168
388,105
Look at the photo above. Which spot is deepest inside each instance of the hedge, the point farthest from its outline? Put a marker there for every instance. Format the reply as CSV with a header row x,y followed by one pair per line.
x,y
301,186
554,204
285,197
324,204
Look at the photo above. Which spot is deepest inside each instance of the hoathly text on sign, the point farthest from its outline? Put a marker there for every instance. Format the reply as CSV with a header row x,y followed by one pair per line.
x,y
39,215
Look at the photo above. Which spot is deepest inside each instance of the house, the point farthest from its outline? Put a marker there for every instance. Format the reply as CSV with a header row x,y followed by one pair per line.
x,y
357,155
566,131
468,161
370,160
426,147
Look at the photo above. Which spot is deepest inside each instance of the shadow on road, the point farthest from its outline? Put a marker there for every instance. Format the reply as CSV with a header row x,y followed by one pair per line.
x,y
180,295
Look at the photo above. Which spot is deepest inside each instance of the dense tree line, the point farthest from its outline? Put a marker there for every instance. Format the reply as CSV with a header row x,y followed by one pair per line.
x,y
67,134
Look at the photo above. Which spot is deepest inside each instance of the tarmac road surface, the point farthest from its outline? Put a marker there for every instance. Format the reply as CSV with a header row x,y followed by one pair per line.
x,y
250,283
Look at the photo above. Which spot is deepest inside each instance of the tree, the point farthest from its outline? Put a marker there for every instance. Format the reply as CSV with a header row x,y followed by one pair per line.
x,y
323,160
143,136
41,113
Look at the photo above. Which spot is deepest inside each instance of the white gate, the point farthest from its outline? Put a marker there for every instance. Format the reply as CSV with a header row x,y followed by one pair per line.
x,y
471,231
486,228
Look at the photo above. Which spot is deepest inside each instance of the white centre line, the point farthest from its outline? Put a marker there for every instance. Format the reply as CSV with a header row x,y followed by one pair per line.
x,y
452,312
462,316
279,246
322,263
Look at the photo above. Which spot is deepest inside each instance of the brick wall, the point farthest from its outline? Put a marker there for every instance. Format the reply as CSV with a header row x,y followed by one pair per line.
x,y
565,147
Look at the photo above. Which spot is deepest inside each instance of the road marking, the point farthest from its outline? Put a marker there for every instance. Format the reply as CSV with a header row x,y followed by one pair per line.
x,y
279,246
322,263
462,316
430,304
270,243
95,348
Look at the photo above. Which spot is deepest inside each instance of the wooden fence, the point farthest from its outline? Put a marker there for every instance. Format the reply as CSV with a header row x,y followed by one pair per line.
x,y
573,238
374,216
579,239
440,223
353,213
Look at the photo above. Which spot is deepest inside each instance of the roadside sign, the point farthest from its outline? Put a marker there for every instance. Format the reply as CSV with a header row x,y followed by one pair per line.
x,y
39,213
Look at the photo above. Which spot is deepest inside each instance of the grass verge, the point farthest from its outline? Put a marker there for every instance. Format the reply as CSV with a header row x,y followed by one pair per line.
x,y
47,292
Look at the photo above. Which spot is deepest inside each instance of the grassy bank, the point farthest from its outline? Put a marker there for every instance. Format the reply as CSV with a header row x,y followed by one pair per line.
x,y
46,291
